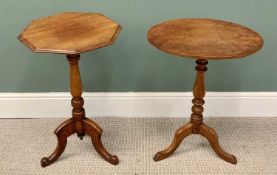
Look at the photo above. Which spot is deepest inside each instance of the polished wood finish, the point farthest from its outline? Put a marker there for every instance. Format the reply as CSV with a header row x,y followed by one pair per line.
x,y
205,39
196,125
78,123
70,33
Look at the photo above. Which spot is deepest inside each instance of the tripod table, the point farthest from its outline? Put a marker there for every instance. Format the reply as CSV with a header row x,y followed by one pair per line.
x,y
72,33
203,40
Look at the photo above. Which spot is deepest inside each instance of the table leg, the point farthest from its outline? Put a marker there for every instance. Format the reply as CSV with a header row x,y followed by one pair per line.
x,y
212,137
180,134
62,132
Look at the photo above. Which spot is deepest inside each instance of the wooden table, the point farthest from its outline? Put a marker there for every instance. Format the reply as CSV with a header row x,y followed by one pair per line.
x,y
71,34
203,40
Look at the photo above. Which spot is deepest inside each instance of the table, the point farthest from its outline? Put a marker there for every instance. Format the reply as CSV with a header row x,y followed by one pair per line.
x,y
72,33
203,40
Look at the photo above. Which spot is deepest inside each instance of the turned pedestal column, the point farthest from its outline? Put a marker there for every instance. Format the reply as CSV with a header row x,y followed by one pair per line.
x,y
203,40
78,124
196,125
75,33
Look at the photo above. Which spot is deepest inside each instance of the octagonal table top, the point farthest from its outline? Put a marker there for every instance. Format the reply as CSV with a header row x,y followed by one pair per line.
x,y
205,39
70,33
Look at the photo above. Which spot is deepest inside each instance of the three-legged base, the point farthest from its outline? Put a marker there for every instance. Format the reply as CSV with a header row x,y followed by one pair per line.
x,y
90,128
205,131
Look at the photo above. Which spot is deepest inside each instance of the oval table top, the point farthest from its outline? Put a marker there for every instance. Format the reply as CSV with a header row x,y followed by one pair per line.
x,y
205,39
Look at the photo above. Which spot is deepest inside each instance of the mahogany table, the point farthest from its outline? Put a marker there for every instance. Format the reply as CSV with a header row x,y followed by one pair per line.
x,y
203,40
73,33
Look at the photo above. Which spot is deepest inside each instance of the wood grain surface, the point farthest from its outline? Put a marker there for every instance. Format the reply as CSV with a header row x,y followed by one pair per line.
x,y
70,33
205,39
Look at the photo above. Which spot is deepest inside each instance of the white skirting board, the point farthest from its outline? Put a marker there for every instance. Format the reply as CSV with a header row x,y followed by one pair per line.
x,y
138,104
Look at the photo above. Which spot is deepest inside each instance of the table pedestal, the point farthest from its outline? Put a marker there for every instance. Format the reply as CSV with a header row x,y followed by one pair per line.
x,y
196,125
78,123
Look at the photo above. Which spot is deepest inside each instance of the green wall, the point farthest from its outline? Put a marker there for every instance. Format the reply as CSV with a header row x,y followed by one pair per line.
x,y
131,64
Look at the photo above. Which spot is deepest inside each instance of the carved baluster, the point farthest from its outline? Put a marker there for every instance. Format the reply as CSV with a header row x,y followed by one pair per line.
x,y
198,93
76,89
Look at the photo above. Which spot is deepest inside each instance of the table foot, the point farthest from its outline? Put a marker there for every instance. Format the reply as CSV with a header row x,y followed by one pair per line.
x,y
212,137
94,131
180,134
62,132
